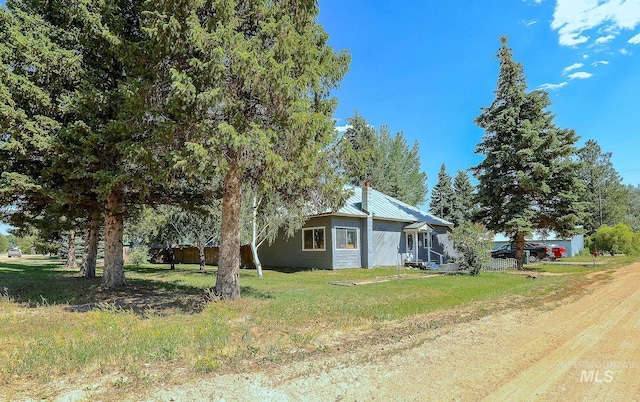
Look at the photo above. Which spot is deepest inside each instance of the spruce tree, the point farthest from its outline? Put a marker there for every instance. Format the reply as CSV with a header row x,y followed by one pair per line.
x,y
528,179
361,155
385,161
463,198
442,196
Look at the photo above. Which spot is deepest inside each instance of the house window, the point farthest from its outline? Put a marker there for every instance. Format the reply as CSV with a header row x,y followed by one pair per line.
x,y
346,238
313,239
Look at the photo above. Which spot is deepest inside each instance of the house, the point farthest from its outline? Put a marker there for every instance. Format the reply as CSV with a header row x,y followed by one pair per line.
x,y
572,244
371,230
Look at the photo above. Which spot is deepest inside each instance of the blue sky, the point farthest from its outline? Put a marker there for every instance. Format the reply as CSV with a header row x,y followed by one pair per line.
x,y
427,67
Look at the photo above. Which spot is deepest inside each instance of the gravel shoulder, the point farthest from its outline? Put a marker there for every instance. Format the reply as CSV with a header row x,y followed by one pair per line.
x,y
586,348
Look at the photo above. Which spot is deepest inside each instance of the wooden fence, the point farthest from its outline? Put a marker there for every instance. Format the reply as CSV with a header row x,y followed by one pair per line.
x,y
191,255
502,264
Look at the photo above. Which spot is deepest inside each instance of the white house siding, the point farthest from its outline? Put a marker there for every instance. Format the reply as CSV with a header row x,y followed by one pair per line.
x,y
287,251
388,243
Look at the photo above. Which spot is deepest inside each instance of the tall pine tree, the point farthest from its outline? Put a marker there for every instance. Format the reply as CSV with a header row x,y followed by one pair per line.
x,y
463,198
528,179
605,194
384,160
442,196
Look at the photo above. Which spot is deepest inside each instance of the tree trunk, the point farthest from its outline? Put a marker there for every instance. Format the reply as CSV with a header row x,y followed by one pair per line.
x,y
172,257
254,240
91,247
202,256
85,252
113,230
227,278
520,250
71,249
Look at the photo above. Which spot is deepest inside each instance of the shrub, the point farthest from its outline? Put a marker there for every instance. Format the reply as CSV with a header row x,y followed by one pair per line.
x,y
472,241
4,243
138,255
617,239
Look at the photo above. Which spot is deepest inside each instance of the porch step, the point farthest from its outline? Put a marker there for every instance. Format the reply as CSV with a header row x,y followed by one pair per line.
x,y
432,265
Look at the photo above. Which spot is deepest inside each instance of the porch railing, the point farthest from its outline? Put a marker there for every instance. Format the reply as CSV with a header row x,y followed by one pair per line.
x,y
439,255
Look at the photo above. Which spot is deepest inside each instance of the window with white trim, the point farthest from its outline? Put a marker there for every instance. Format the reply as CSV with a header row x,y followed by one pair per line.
x,y
313,239
346,238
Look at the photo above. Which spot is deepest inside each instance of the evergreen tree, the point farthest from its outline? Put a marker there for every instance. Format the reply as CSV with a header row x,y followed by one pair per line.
x,y
463,198
442,197
244,86
605,194
383,160
362,159
79,77
633,207
528,179
78,66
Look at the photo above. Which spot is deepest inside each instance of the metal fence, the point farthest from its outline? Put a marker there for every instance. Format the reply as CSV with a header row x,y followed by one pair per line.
x,y
502,264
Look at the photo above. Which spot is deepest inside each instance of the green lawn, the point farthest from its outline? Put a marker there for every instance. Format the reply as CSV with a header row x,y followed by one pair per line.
x,y
53,323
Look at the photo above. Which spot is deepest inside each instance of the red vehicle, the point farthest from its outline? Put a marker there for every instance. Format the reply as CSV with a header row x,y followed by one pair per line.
x,y
558,251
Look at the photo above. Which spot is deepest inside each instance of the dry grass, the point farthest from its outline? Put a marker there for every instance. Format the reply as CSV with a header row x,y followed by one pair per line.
x,y
59,331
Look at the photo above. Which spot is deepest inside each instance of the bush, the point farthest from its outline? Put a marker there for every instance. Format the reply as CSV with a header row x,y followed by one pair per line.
x,y
473,242
138,255
585,252
589,245
4,243
617,239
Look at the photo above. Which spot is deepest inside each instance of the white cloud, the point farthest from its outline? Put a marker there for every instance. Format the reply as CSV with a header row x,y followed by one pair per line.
x,y
552,87
597,63
580,75
342,129
529,23
573,18
574,66
625,52
635,40
604,39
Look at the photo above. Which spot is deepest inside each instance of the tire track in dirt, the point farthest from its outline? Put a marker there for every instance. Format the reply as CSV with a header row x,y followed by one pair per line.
x,y
595,354
514,355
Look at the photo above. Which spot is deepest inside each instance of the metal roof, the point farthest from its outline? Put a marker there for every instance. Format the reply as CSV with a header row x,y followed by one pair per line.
x,y
383,206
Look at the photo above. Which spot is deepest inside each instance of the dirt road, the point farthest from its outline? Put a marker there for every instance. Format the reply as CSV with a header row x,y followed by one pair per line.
x,y
585,349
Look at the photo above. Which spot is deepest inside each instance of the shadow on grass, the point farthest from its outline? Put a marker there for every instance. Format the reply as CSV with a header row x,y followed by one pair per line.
x,y
289,270
253,293
39,284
